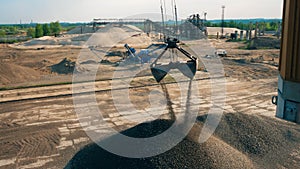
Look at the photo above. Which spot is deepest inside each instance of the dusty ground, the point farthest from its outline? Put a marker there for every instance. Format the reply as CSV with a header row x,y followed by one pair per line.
x,y
40,129
34,62
20,67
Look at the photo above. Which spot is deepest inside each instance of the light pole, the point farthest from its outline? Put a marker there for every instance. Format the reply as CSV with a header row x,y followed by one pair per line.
x,y
223,15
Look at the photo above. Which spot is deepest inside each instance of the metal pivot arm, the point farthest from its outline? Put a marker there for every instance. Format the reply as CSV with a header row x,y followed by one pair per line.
x,y
160,47
172,44
187,54
154,63
159,71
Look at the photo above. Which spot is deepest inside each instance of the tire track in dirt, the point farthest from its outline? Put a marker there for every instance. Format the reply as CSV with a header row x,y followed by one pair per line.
x,y
29,142
169,102
248,71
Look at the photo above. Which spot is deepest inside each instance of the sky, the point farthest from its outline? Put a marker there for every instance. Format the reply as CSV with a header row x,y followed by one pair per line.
x,y
41,11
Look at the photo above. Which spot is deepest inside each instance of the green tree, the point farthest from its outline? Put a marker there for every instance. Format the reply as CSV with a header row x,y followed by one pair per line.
x,y
2,33
274,25
39,30
31,32
262,26
226,24
13,30
268,26
241,25
46,30
208,24
55,28
232,24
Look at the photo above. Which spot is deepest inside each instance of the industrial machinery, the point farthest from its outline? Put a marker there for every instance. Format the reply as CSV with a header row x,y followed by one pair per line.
x,y
189,68
131,53
145,55
159,71
198,22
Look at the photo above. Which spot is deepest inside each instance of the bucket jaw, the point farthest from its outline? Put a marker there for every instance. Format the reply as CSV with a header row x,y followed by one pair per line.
x,y
159,72
189,68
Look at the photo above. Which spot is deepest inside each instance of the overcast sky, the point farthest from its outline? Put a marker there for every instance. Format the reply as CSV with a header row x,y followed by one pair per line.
x,y
12,11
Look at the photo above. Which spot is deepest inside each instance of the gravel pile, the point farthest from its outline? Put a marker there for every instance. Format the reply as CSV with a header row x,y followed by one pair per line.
x,y
66,66
187,154
268,142
240,141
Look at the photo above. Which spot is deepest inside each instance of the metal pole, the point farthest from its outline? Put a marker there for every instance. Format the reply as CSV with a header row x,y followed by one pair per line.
x,y
163,19
176,17
223,17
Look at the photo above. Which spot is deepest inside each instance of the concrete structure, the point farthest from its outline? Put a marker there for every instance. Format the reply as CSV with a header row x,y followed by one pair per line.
x,y
250,34
242,35
288,100
247,35
279,30
256,30
115,21
250,30
148,26
236,34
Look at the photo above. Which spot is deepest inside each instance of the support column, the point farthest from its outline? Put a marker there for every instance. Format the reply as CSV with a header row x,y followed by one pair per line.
x,y
236,35
250,30
242,35
288,102
247,35
256,30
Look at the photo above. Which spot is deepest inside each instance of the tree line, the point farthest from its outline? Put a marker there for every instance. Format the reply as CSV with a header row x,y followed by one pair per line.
x,y
267,26
40,30
8,30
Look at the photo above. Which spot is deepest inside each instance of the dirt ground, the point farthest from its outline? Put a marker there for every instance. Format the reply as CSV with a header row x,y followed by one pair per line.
x,y
39,127
20,67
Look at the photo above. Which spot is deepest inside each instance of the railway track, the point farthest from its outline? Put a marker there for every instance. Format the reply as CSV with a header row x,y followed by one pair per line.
x,y
101,86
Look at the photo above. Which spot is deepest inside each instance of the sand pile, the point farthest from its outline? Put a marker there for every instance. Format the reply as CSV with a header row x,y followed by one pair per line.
x,y
12,73
131,28
71,40
107,36
111,36
46,40
82,30
140,40
90,29
80,38
66,66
